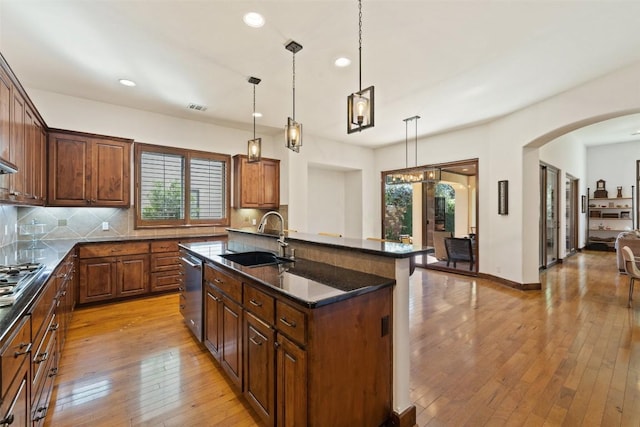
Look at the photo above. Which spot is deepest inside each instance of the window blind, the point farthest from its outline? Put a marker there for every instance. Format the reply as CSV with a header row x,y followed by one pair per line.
x,y
208,189
162,186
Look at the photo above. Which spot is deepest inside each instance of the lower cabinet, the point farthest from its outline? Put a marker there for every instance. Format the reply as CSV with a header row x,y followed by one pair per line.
x,y
291,385
296,365
113,277
15,380
259,372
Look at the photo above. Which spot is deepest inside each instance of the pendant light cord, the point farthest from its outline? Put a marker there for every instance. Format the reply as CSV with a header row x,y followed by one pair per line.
x,y
406,143
254,111
417,117
294,86
360,45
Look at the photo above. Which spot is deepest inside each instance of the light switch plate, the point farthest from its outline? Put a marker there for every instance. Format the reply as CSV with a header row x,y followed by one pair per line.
x,y
105,226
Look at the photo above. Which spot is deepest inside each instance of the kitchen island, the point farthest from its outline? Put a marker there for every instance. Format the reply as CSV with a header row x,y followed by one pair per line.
x,y
357,355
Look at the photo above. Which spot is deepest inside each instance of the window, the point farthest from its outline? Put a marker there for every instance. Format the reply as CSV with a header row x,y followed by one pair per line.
x,y
178,187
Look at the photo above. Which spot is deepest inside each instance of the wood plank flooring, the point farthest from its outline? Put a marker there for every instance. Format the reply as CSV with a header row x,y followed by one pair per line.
x,y
481,355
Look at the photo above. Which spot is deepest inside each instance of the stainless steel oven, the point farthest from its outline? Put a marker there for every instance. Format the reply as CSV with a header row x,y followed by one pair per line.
x,y
191,293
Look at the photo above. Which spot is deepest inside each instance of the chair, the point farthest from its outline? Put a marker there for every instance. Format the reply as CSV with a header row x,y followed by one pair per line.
x,y
459,249
631,269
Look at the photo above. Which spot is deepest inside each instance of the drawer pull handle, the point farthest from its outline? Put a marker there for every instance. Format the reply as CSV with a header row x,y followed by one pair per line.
x,y
42,409
290,324
182,306
54,372
42,357
20,353
218,281
253,341
216,299
54,327
7,421
255,303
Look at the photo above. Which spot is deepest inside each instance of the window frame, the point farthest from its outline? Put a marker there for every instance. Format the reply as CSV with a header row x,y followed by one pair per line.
x,y
187,155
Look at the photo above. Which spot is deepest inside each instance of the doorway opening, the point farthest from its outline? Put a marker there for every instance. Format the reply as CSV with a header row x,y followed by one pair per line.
x,y
435,206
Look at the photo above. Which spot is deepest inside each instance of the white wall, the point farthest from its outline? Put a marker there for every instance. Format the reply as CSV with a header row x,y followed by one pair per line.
x,y
507,148
616,164
327,202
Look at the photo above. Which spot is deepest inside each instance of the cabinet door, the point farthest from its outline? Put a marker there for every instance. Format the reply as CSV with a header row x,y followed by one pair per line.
x,y
16,408
251,183
291,384
97,279
17,146
260,364
110,172
213,322
231,359
133,275
271,184
69,170
5,130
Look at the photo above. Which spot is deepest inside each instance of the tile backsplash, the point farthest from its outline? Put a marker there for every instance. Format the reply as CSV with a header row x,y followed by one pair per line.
x,y
8,221
78,223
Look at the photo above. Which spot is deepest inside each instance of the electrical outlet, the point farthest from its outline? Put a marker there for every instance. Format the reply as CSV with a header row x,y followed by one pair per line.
x,y
253,221
6,229
105,226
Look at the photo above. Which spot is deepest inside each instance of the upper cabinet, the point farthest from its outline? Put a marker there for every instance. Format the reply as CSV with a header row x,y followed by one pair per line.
x,y
88,170
21,143
256,185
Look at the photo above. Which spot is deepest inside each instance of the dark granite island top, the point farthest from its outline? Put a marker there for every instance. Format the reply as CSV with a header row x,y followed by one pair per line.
x,y
312,284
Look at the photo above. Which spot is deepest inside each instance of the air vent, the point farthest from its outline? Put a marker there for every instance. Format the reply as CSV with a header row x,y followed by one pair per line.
x,y
197,107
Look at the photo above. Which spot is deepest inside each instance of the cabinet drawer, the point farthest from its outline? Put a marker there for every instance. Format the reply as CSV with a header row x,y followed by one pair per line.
x,y
165,261
42,354
14,352
42,309
291,322
227,284
165,281
259,303
166,246
95,251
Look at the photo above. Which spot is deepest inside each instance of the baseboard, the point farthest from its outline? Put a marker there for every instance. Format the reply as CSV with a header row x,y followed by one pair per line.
x,y
406,419
515,285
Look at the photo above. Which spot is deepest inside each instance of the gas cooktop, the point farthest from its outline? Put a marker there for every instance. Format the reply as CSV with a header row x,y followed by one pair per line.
x,y
14,279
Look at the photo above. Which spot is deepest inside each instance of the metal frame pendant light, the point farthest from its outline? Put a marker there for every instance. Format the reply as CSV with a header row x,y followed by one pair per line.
x,y
293,129
254,146
360,104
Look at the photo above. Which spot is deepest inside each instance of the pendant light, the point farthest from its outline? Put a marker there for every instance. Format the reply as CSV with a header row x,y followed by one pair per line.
x,y
254,146
408,176
293,129
360,105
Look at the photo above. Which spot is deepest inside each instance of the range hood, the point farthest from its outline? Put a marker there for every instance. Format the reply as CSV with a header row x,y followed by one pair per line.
x,y
7,167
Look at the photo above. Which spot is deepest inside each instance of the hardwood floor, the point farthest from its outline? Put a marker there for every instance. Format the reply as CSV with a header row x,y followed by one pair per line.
x,y
482,354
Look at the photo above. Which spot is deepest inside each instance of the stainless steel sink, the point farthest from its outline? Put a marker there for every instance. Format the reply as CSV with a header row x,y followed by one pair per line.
x,y
255,259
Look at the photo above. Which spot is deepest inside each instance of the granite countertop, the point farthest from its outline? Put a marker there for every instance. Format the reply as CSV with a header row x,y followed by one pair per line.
x,y
50,253
305,282
388,249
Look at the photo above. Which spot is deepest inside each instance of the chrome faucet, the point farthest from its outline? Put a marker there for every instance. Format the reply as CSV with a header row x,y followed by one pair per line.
x,y
281,241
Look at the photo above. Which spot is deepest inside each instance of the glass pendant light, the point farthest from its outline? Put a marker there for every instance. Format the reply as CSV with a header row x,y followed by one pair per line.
x,y
360,104
293,129
254,146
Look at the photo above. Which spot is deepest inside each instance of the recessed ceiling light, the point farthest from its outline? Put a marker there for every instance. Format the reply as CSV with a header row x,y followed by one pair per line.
x,y
342,62
253,19
257,114
126,82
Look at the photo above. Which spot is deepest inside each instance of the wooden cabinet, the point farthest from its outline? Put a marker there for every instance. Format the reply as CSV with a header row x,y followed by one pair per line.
x,y
259,369
104,277
292,374
223,321
256,185
165,266
15,351
88,170
21,130
291,386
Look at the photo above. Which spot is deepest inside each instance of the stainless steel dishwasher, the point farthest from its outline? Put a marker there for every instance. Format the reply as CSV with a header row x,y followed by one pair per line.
x,y
191,293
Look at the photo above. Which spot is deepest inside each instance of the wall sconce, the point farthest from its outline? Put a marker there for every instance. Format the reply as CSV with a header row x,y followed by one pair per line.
x,y
254,146
360,105
293,129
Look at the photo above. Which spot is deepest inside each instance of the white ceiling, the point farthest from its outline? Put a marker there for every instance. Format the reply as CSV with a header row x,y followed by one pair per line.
x,y
454,63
